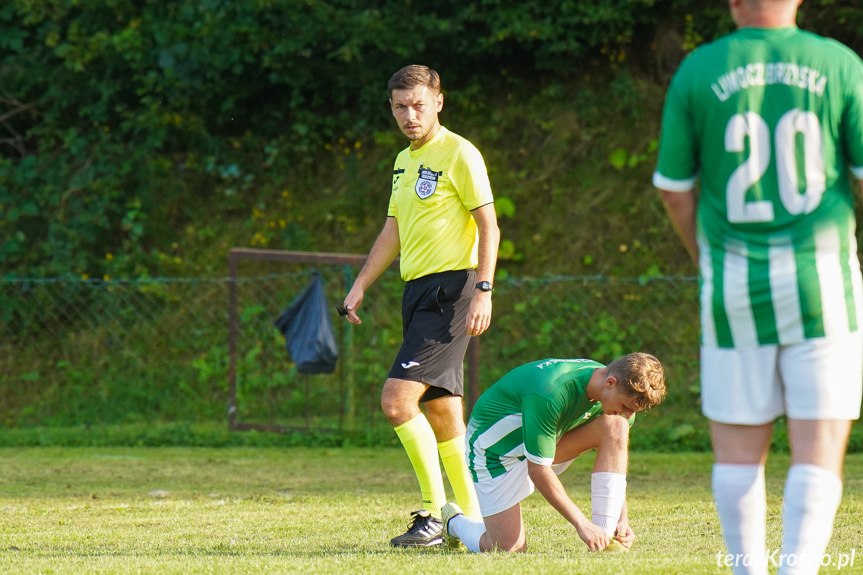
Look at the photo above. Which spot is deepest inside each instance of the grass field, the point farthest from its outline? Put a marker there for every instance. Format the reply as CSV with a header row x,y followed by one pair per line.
x,y
301,510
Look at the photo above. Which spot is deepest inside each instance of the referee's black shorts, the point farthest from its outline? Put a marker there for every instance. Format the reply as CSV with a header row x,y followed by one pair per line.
x,y
434,318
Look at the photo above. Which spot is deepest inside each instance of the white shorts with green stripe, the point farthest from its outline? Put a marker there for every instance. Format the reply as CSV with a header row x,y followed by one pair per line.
x,y
499,493
818,379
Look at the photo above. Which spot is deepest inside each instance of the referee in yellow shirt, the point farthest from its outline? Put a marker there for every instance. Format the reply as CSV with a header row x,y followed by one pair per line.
x,y
441,218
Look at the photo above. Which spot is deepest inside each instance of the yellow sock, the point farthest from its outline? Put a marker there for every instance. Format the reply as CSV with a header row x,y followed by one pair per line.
x,y
419,442
452,454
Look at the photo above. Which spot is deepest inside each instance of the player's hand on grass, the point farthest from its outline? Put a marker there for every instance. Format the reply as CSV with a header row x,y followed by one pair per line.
x,y
594,536
479,313
624,534
352,304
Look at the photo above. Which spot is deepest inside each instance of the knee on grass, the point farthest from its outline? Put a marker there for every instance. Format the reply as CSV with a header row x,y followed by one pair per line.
x,y
508,545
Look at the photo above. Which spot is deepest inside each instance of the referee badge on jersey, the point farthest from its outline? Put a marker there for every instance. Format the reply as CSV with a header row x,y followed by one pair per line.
x,y
427,182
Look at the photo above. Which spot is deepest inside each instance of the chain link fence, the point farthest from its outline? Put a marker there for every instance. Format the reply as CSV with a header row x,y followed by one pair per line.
x,y
79,352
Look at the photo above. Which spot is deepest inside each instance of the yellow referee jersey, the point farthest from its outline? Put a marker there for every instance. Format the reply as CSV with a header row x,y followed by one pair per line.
x,y
434,190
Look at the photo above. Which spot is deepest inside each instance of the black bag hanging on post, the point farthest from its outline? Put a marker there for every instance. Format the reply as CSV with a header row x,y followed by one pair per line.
x,y
308,332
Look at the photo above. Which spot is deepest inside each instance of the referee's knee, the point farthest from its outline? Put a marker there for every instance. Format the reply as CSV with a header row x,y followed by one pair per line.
x,y
391,408
397,410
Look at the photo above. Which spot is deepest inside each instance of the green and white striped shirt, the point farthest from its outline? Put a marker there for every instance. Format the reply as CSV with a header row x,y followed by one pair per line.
x,y
526,412
773,121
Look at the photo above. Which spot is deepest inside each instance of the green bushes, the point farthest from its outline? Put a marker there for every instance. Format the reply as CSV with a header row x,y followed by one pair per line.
x,y
129,119
124,121
142,138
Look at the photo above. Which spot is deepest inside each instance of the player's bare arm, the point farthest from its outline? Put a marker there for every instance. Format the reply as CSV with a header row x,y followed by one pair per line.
x,y
682,208
549,485
382,254
479,312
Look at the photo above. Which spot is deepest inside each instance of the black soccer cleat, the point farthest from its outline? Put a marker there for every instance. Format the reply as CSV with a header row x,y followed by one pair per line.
x,y
424,530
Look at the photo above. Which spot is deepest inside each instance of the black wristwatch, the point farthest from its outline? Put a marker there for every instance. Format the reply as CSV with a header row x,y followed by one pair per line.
x,y
484,286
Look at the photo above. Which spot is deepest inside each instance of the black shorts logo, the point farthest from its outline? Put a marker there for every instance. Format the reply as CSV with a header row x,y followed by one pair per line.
x,y
427,182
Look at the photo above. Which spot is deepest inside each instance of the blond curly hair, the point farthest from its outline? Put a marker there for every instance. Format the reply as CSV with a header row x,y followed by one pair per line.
x,y
642,378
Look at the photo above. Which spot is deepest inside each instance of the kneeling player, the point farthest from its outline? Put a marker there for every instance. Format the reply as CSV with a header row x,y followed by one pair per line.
x,y
528,427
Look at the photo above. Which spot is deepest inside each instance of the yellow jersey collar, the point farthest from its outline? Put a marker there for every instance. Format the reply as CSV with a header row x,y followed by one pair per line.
x,y
437,137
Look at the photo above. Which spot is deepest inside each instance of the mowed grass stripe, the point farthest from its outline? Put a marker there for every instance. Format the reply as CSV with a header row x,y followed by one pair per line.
x,y
328,511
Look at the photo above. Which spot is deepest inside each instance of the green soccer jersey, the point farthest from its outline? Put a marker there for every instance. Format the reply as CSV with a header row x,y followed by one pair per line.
x,y
524,414
770,121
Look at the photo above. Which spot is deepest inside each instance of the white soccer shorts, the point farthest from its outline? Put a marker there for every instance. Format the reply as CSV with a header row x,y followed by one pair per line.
x,y
504,491
817,379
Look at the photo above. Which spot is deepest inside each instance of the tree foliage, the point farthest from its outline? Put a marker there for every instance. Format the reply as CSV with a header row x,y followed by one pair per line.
x,y
123,120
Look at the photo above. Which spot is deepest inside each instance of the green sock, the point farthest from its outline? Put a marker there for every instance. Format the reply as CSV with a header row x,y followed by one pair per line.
x,y
419,442
452,454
